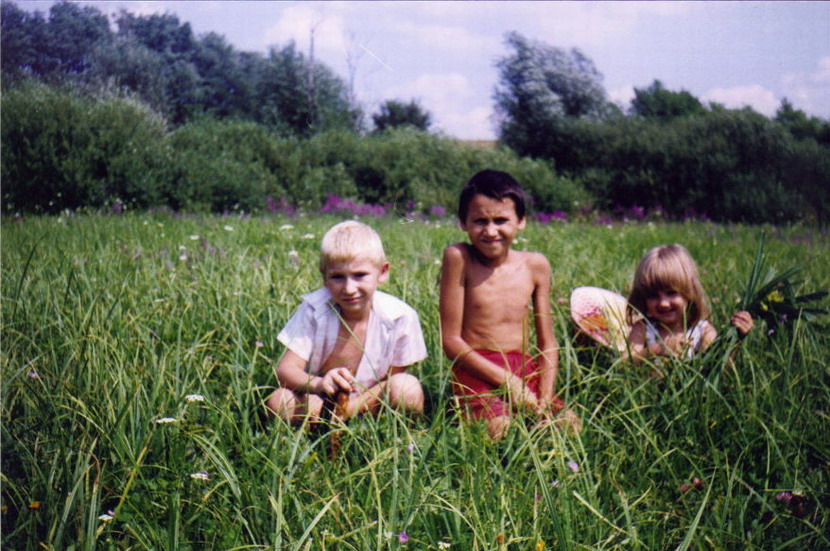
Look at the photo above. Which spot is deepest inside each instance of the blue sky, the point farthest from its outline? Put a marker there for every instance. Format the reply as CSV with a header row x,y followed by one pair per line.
x,y
443,53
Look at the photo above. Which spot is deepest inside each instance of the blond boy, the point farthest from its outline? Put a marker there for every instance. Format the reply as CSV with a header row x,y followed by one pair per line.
x,y
348,337
486,290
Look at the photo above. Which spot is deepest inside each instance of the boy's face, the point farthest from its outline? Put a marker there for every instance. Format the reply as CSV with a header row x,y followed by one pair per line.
x,y
352,283
492,225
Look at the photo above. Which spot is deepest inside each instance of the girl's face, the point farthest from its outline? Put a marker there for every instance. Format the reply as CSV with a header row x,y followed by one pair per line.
x,y
667,307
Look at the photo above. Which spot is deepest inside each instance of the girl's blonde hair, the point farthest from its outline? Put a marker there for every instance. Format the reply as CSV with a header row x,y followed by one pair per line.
x,y
668,267
348,240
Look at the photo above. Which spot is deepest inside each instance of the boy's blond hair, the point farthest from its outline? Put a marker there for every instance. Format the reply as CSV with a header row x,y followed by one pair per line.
x,y
348,240
669,267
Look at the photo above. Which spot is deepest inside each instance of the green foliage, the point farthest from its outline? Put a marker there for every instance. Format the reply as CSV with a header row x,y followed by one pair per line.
x,y
221,166
61,150
727,165
394,113
672,154
64,151
657,102
541,88
157,58
801,126
110,323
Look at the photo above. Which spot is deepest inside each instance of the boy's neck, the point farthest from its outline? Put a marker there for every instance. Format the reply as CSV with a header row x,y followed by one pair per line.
x,y
353,318
487,261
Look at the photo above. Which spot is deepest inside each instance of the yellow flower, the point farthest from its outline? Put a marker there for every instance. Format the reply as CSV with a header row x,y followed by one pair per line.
x,y
540,546
775,296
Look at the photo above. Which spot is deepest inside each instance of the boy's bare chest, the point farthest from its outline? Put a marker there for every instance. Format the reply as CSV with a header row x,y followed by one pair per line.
x,y
348,349
508,288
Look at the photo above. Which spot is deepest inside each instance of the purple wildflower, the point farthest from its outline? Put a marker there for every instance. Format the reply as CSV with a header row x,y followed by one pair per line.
x,y
784,497
402,537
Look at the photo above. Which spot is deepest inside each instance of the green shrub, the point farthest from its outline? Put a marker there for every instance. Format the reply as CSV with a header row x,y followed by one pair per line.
x,y
222,166
60,150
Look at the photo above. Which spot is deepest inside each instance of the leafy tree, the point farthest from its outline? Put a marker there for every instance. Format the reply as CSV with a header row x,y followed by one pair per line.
x,y
73,33
223,90
657,102
50,48
175,44
22,36
541,88
801,126
130,65
394,114
283,92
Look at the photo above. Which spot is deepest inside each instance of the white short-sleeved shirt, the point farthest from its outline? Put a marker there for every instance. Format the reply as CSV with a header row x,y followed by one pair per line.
x,y
393,336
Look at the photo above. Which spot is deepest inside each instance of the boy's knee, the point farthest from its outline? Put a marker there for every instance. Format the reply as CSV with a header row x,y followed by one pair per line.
x,y
569,421
497,426
405,392
281,403
288,406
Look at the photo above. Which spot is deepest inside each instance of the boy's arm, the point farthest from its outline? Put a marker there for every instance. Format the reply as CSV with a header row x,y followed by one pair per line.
x,y
291,374
548,360
459,351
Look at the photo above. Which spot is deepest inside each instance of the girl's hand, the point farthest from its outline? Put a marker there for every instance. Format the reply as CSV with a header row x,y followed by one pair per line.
x,y
743,322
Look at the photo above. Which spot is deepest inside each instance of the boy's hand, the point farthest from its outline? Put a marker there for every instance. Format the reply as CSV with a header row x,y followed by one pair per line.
x,y
521,395
743,322
335,380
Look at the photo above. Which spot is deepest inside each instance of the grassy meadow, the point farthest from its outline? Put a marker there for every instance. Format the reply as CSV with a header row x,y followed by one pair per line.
x,y
137,351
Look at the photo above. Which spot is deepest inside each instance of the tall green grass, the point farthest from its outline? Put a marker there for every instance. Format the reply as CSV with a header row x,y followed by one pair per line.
x,y
110,322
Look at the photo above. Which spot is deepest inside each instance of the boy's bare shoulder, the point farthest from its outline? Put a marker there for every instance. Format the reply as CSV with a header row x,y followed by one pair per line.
x,y
457,252
535,261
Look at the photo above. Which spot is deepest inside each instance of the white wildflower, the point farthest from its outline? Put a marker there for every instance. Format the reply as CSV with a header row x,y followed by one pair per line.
x,y
166,420
194,398
199,476
228,228
286,227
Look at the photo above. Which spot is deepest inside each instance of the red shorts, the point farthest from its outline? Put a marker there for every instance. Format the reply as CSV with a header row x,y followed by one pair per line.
x,y
484,400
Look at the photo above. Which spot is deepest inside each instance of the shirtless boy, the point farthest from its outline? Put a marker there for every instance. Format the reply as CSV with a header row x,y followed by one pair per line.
x,y
348,337
486,291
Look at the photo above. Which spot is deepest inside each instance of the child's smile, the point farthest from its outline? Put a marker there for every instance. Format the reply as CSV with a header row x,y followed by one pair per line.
x,y
492,225
352,284
667,307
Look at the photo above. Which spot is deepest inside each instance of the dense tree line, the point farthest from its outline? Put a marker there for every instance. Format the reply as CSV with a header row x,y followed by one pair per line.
x,y
669,151
65,151
182,76
147,113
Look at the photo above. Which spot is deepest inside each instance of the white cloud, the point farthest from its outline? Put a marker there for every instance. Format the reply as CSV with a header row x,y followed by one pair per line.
x,y
452,40
753,95
449,99
622,96
299,21
588,24
810,92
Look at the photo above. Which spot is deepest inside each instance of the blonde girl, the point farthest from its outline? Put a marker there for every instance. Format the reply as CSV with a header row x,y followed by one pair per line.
x,y
668,293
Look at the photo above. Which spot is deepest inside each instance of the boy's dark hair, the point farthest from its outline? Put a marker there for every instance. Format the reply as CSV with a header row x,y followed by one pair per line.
x,y
495,185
